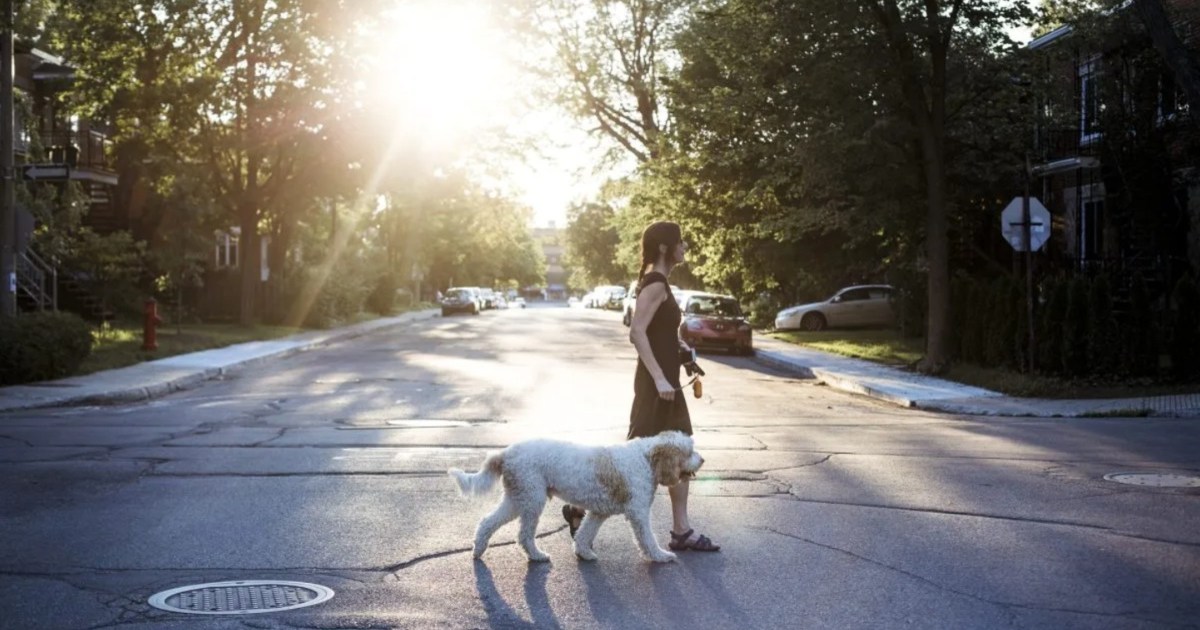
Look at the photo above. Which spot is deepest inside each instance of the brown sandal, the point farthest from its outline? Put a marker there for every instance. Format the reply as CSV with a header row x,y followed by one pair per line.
x,y
685,542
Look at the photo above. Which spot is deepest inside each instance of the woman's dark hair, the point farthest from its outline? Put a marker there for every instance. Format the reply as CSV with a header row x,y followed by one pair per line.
x,y
657,233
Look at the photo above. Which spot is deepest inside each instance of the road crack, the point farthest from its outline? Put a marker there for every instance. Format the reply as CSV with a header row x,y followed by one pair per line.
x,y
1008,606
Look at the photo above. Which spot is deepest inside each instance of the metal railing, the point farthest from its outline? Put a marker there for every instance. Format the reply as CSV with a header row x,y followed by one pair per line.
x,y
38,280
1062,143
79,148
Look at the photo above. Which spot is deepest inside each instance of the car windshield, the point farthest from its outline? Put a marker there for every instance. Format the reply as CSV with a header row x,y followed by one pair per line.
x,y
717,306
461,294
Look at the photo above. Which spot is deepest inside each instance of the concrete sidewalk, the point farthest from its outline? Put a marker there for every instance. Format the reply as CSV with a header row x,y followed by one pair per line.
x,y
908,389
157,378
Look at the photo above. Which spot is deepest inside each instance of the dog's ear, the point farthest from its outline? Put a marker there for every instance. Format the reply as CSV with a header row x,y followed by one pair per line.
x,y
666,460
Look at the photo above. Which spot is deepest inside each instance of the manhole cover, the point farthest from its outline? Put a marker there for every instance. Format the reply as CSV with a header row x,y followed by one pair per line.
x,y
240,598
1158,480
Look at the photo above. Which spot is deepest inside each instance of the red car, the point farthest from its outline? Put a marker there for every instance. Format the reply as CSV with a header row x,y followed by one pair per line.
x,y
715,321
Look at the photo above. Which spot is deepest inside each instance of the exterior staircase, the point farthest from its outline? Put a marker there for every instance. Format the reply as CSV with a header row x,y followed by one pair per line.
x,y
41,287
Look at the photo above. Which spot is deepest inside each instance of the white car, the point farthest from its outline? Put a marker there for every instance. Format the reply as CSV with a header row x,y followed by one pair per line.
x,y
865,305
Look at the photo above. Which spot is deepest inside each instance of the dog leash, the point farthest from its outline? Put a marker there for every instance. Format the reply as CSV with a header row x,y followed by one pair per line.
x,y
697,386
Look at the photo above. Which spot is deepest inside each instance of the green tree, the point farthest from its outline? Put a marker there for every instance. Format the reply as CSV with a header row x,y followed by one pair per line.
x,y
591,241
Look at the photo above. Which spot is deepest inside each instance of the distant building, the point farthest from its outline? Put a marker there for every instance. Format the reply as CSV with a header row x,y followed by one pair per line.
x,y
556,276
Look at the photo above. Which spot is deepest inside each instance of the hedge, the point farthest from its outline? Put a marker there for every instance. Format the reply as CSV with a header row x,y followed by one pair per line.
x,y
42,346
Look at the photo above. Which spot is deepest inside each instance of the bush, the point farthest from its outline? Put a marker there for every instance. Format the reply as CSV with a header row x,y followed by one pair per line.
x,y
1185,337
1102,339
383,298
910,302
1050,338
1139,338
42,346
1075,329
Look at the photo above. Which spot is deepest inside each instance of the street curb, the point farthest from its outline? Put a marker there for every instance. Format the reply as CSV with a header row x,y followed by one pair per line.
x,y
770,358
850,385
188,380
831,379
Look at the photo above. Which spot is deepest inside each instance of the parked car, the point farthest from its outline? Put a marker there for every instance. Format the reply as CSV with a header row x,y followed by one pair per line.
x,y
605,296
868,305
462,300
630,300
517,302
627,304
488,298
715,321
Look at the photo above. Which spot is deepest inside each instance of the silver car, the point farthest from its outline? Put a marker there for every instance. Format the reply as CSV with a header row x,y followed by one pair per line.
x,y
858,306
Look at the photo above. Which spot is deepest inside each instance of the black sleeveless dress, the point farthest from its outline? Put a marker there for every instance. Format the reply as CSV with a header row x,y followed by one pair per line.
x,y
652,415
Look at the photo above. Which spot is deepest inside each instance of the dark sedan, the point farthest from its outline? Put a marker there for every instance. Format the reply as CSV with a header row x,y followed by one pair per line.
x,y
461,300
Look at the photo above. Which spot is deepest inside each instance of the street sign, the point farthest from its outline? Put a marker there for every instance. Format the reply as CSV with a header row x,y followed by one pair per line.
x,y
35,172
1012,226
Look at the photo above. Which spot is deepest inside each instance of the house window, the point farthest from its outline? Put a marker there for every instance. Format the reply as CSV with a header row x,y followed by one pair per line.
x,y
226,249
1171,101
1089,101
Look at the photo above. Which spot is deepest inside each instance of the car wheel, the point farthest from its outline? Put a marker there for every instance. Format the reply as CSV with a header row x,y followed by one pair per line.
x,y
813,322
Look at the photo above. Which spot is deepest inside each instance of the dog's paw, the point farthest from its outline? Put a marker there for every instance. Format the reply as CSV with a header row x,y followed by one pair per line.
x,y
663,556
539,557
585,554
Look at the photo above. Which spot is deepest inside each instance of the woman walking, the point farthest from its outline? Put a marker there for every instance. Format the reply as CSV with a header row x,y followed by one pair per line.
x,y
658,402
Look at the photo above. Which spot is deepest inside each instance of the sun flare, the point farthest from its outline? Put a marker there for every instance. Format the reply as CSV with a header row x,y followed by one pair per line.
x,y
443,68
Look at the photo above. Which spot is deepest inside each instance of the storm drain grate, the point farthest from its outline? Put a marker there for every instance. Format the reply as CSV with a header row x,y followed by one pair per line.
x,y
1158,480
241,597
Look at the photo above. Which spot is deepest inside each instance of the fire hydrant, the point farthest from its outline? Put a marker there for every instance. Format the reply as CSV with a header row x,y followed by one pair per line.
x,y
150,322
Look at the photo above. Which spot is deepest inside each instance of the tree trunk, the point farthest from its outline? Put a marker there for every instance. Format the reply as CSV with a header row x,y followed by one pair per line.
x,y
937,255
251,250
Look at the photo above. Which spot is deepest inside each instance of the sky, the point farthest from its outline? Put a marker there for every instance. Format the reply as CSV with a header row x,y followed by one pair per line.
x,y
452,69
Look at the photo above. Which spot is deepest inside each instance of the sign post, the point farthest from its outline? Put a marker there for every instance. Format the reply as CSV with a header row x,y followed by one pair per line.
x,y
1025,224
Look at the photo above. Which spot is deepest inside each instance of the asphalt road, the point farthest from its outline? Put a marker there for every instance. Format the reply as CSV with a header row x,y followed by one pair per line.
x,y
834,511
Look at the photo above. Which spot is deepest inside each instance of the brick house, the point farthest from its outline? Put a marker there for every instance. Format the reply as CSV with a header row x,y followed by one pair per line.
x,y
1116,150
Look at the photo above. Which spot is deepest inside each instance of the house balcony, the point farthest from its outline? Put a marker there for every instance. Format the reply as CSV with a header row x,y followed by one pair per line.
x,y
88,152
1054,144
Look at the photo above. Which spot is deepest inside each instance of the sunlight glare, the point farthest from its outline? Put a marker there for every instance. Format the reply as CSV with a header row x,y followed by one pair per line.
x,y
443,68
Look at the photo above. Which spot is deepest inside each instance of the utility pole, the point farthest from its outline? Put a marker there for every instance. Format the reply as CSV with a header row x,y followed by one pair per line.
x,y
8,211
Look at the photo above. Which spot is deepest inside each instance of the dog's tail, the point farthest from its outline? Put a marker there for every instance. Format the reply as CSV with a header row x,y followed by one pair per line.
x,y
475,484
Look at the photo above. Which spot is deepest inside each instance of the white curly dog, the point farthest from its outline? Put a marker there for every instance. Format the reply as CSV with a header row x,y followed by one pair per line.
x,y
604,480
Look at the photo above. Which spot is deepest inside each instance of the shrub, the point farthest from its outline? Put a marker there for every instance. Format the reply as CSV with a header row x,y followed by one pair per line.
x,y
1185,338
383,297
910,302
1050,339
42,346
1139,338
1075,329
1103,344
